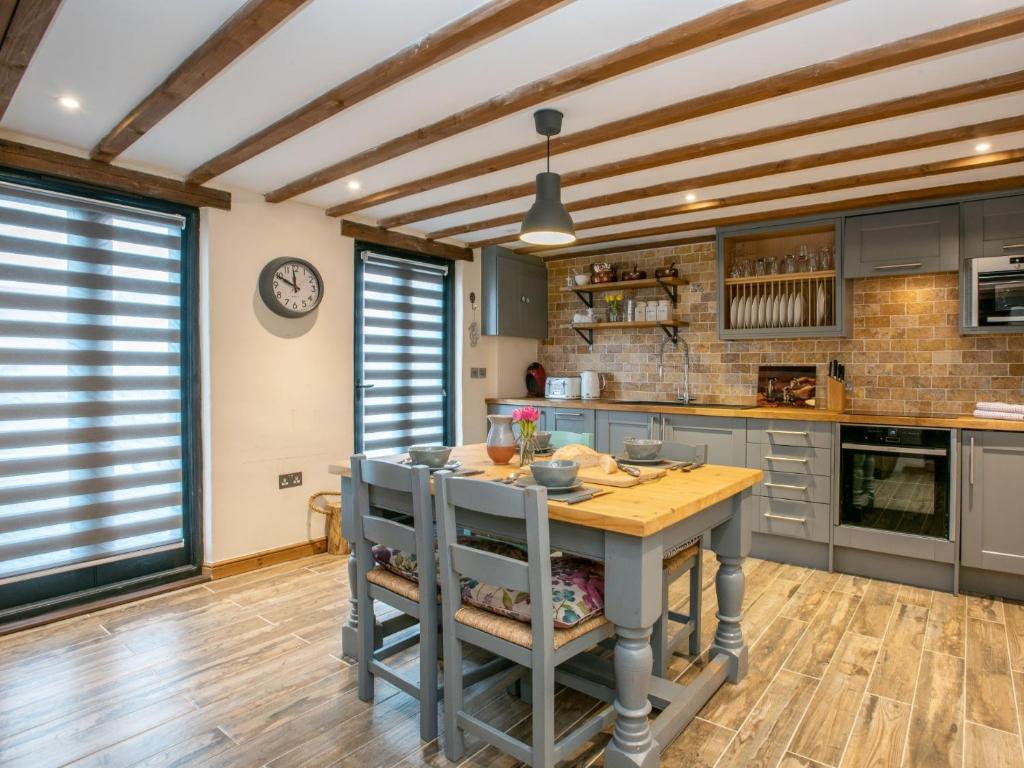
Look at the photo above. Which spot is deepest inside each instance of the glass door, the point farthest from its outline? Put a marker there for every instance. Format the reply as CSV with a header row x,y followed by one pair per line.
x,y
402,351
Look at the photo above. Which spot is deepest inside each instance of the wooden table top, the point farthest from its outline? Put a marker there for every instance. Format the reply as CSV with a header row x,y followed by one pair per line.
x,y
641,510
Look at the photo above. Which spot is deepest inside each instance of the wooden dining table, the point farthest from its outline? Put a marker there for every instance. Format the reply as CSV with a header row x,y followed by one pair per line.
x,y
631,530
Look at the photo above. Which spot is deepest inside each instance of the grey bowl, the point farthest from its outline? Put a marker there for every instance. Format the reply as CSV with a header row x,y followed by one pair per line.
x,y
559,473
541,440
433,456
641,448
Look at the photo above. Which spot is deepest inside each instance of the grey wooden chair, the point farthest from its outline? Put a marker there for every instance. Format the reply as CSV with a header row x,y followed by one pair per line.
x,y
538,646
560,438
686,559
377,487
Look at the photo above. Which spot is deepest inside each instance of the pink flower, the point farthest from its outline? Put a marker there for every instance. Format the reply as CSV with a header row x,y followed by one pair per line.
x,y
526,413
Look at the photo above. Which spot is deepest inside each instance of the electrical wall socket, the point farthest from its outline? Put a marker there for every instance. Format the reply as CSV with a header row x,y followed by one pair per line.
x,y
289,480
478,373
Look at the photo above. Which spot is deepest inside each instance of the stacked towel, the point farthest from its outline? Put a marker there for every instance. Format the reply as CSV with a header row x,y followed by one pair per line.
x,y
1004,411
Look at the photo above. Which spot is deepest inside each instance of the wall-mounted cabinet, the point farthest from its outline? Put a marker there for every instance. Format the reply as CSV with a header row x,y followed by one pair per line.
x,y
782,281
514,290
909,242
993,227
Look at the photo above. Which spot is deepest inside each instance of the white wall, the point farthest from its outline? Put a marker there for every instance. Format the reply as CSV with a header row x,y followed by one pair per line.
x,y
277,392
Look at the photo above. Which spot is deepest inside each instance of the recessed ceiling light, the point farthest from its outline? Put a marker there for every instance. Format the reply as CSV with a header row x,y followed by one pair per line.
x,y
354,185
69,103
690,197
982,146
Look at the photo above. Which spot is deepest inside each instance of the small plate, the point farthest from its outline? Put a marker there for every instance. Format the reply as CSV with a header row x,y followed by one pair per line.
x,y
545,452
449,467
639,462
528,481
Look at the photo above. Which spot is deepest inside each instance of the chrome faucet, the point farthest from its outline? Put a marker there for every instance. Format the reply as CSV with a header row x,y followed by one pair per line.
x,y
684,396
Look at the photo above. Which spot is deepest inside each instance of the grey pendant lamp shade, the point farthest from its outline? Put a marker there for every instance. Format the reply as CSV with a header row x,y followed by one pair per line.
x,y
547,222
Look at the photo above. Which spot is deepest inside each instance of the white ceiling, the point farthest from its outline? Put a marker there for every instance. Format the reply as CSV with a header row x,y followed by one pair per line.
x,y
111,53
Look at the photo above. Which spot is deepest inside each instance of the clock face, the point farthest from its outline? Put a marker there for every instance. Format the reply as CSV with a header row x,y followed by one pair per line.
x,y
291,287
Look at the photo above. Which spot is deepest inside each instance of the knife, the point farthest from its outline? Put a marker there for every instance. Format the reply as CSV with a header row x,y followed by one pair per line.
x,y
631,471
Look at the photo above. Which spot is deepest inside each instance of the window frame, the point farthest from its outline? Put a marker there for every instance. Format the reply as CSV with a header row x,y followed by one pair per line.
x,y
448,348
88,584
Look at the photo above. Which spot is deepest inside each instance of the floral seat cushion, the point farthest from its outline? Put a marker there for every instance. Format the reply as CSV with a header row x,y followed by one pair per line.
x,y
577,585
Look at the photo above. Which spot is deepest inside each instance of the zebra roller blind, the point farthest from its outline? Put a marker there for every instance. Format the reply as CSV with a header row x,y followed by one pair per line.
x,y
403,360
90,382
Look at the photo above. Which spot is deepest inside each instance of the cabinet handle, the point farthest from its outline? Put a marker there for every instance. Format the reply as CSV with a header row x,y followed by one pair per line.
x,y
1013,245
577,414
784,432
911,265
786,458
787,518
972,461
650,428
786,486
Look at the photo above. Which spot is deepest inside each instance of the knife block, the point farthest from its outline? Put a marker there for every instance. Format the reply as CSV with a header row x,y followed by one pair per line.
x,y
835,395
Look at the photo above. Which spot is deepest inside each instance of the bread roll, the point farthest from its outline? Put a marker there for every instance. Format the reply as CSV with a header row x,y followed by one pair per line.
x,y
581,454
609,465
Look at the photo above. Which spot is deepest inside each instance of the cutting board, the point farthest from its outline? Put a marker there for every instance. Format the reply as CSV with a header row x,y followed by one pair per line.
x,y
620,479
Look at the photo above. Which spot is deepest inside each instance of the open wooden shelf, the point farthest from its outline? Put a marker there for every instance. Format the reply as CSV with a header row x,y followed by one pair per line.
x,y
650,282
793,277
632,324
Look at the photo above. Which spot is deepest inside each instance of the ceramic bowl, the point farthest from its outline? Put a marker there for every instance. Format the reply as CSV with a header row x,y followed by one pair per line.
x,y
541,440
559,473
642,449
581,279
433,456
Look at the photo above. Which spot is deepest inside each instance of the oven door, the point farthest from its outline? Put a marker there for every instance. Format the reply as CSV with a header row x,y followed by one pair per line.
x,y
895,489
999,291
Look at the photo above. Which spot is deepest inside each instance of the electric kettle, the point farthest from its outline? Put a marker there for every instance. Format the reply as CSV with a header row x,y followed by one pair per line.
x,y
591,384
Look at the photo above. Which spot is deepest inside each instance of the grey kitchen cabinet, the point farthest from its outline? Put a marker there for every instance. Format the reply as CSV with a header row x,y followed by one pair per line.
x,y
908,242
514,290
992,501
783,432
725,437
794,519
571,418
993,227
613,427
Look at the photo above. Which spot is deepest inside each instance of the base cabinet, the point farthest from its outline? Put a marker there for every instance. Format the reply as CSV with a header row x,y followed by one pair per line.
x,y
568,419
614,427
726,438
992,501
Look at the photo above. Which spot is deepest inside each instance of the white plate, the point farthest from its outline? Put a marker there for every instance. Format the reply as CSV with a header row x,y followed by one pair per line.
x,y
745,312
821,305
733,311
791,310
776,310
799,305
762,312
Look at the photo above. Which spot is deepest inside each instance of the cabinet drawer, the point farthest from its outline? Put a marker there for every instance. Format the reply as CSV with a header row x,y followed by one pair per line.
x,y
790,458
784,432
796,519
789,485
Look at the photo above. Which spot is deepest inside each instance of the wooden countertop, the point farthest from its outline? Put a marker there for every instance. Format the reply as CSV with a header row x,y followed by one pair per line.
x,y
641,510
791,414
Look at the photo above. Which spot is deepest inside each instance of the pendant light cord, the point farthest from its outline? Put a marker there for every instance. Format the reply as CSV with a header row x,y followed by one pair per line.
x,y
549,154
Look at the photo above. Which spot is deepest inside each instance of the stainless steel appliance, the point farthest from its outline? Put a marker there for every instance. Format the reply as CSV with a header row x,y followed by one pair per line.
x,y
562,388
896,480
996,284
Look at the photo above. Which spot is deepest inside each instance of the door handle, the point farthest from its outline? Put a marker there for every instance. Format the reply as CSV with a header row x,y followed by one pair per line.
x,y
650,428
911,265
972,462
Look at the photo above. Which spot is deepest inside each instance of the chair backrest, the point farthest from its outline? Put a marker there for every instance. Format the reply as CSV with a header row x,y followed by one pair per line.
x,y
382,486
525,510
695,452
558,439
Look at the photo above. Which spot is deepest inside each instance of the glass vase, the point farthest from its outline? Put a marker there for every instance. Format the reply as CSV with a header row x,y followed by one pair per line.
x,y
501,442
527,448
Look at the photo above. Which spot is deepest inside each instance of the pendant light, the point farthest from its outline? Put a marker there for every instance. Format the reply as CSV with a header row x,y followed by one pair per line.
x,y
547,222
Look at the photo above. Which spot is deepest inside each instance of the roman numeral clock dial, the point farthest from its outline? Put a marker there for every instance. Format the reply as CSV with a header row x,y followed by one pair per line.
x,y
291,287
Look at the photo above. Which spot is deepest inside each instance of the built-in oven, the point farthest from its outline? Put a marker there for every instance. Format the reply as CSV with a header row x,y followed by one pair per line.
x,y
997,291
896,480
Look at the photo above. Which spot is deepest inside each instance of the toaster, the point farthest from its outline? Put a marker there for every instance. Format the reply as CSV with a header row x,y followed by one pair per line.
x,y
562,388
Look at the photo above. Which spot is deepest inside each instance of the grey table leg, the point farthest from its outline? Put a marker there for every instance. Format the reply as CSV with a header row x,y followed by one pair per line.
x,y
633,603
731,543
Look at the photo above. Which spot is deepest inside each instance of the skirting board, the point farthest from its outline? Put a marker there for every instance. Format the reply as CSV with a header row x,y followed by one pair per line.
x,y
257,560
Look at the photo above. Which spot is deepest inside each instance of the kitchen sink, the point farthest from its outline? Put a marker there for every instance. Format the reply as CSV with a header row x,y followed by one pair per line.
x,y
680,404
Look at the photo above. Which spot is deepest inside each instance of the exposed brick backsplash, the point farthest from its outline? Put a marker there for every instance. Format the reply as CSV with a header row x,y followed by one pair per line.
x,y
905,354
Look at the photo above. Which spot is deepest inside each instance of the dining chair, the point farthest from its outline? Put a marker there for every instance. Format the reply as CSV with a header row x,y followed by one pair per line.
x,y
380,486
471,578
558,439
684,559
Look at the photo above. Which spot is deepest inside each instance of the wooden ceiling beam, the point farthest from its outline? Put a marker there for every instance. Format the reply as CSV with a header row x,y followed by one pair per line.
x,y
634,247
27,22
833,206
81,169
761,170
923,46
711,28
243,29
392,239
487,21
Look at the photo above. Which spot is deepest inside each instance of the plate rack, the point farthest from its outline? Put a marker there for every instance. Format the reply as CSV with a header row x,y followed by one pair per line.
x,y
805,300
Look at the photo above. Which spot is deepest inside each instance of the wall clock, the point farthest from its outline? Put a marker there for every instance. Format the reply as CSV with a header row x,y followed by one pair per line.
x,y
291,287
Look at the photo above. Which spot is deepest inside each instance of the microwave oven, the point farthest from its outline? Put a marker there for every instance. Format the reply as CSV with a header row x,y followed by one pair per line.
x,y
996,284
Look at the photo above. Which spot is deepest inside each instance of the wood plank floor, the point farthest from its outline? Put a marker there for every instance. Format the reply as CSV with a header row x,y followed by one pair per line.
x,y
246,672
